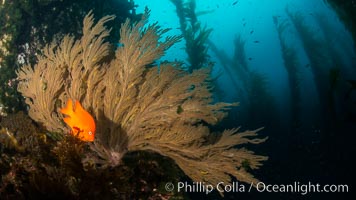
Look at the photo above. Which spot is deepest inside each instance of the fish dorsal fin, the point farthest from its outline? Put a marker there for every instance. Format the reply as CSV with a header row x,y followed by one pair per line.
x,y
68,110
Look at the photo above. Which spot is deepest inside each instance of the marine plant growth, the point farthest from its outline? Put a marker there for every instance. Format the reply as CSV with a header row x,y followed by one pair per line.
x,y
194,34
26,26
137,104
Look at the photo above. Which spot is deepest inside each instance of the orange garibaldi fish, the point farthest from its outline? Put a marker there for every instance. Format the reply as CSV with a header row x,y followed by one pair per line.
x,y
80,121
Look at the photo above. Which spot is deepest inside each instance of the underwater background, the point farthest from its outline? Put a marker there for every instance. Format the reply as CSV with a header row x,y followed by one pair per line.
x,y
290,64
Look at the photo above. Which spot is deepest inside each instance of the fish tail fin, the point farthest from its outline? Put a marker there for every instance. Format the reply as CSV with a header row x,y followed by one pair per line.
x,y
78,106
68,110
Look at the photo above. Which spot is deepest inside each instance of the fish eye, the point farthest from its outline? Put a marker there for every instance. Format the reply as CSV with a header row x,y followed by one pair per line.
x,y
90,133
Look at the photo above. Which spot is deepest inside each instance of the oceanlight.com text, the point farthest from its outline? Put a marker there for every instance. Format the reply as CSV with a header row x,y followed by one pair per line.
x,y
295,187
303,189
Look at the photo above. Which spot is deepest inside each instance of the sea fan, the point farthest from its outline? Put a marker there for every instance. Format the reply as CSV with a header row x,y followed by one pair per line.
x,y
136,106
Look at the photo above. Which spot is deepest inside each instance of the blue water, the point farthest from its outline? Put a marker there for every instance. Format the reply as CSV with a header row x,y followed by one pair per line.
x,y
227,21
319,148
